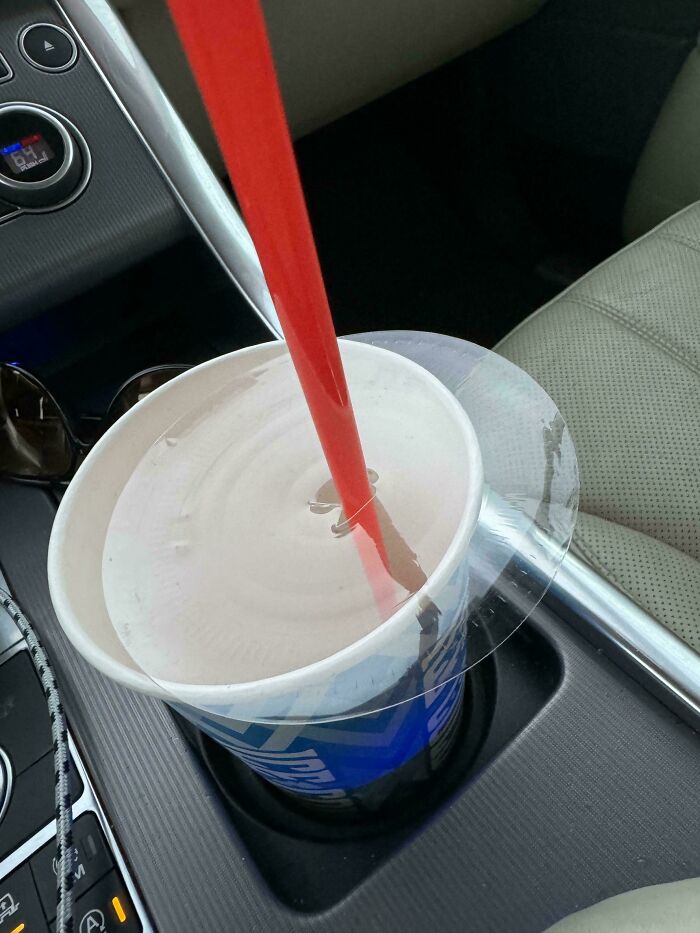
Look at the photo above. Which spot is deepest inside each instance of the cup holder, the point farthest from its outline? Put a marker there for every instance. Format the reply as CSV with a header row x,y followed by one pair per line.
x,y
311,862
250,796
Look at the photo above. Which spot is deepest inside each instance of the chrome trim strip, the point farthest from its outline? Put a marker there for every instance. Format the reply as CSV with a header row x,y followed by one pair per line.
x,y
671,663
587,601
5,783
89,802
109,47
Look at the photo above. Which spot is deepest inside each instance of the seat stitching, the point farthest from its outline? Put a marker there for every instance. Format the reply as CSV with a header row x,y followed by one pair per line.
x,y
645,333
682,239
593,274
642,330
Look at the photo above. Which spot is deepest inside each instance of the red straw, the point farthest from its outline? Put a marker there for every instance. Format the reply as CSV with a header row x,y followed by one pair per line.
x,y
227,46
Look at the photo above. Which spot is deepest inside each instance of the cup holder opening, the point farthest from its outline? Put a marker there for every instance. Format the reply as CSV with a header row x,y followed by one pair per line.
x,y
312,861
244,791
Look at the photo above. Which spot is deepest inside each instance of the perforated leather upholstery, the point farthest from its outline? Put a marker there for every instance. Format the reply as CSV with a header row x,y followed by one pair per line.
x,y
619,352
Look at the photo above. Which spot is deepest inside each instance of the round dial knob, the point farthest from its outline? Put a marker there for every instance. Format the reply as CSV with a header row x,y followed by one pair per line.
x,y
5,782
40,161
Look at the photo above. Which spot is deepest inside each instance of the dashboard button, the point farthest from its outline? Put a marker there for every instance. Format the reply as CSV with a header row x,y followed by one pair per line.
x,y
24,718
105,908
5,70
48,47
20,909
91,861
41,161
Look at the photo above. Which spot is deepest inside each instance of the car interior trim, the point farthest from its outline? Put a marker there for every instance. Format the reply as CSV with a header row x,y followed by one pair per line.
x,y
119,63
5,67
57,120
52,69
595,607
18,105
6,785
591,604
86,803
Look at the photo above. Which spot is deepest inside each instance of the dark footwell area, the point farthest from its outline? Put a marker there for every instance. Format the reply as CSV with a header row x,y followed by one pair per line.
x,y
465,200
414,230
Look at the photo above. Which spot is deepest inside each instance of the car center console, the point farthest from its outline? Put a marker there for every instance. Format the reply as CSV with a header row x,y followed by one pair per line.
x,y
82,198
576,776
105,895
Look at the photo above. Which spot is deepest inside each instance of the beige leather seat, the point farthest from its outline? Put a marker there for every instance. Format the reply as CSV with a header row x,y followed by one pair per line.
x,y
661,908
332,56
667,177
619,352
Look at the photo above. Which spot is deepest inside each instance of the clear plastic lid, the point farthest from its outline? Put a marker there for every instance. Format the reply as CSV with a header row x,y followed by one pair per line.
x,y
238,587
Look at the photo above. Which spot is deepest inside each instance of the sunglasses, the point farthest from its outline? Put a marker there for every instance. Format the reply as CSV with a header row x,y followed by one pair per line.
x,y
38,443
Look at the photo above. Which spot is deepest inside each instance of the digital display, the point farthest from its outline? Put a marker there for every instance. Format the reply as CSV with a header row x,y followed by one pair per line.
x,y
27,153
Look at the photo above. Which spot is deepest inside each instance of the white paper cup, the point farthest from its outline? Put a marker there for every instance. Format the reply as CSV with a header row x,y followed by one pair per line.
x,y
337,730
